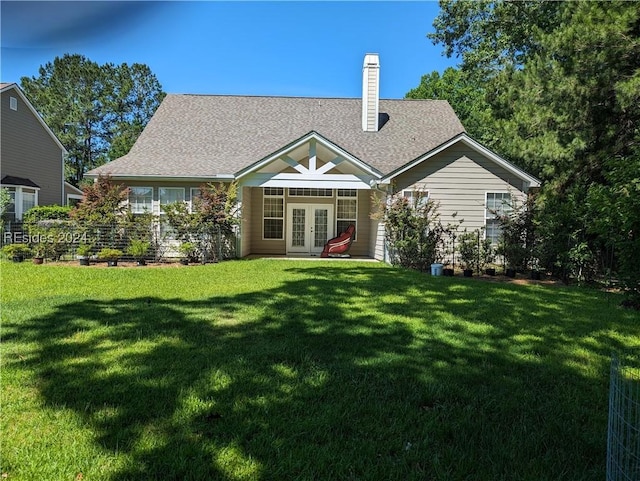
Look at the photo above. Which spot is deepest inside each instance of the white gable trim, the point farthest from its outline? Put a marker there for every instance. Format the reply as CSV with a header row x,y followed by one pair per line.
x,y
35,113
312,137
475,145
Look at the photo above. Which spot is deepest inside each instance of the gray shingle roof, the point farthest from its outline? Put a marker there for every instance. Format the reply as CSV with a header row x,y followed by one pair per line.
x,y
207,135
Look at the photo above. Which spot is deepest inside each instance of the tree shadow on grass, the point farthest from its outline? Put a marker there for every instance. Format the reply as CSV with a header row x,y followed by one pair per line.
x,y
339,373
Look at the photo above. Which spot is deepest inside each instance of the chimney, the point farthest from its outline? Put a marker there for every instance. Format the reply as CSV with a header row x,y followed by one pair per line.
x,y
370,92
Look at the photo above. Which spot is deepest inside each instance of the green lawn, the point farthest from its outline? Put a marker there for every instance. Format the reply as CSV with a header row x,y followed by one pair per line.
x,y
294,370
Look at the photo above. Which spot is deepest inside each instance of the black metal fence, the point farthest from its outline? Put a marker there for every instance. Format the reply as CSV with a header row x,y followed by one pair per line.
x,y
623,440
66,240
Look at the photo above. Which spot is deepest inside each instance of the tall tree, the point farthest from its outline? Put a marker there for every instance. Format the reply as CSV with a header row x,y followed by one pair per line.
x,y
96,111
562,80
466,96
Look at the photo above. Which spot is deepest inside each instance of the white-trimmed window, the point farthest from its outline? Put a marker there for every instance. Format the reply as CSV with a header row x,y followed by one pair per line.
x,y
13,103
497,205
166,196
416,197
10,211
29,199
21,200
195,192
309,192
141,199
273,213
346,210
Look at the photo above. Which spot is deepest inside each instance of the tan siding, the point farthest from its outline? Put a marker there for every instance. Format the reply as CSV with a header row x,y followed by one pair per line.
x,y
458,179
376,230
28,151
258,245
246,228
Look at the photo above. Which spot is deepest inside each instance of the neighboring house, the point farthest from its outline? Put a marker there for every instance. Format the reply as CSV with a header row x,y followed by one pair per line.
x,y
308,167
31,157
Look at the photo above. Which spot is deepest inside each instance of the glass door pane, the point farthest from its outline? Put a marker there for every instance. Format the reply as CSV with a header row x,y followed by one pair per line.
x,y
298,227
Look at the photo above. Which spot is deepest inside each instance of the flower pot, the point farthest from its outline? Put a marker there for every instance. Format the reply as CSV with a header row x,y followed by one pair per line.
x,y
535,275
468,272
141,262
490,271
184,262
38,260
510,272
112,263
84,261
17,258
448,272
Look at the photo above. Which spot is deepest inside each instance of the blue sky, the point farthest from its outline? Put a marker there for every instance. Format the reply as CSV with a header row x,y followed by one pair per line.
x,y
242,48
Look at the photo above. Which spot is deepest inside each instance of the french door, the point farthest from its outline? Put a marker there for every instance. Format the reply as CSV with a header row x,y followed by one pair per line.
x,y
309,227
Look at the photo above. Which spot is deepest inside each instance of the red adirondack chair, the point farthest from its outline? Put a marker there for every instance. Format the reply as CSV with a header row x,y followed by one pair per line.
x,y
339,246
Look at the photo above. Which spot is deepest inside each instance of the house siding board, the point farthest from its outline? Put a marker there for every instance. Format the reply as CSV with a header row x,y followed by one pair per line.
x,y
458,179
246,230
376,227
27,150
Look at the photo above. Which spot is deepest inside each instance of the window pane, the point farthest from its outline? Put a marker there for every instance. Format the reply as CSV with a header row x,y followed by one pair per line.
x,y
11,207
493,231
347,208
170,195
28,201
308,192
140,199
347,193
273,191
273,228
273,207
342,225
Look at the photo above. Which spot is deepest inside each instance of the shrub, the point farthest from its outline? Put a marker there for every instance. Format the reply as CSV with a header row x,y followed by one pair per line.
x,y
109,254
16,250
414,233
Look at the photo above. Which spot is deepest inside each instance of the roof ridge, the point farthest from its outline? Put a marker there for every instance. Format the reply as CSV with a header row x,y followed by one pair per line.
x,y
257,96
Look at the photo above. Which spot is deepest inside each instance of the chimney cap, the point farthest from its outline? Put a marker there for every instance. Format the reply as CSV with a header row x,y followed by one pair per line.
x,y
371,59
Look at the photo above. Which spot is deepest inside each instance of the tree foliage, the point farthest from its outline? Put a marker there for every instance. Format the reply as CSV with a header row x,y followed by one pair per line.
x,y
562,82
465,95
210,222
103,203
97,111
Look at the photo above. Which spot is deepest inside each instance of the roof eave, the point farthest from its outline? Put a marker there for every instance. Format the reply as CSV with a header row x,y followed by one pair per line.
x,y
296,143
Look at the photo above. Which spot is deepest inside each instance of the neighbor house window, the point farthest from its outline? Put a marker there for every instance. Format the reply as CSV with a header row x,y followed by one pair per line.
x,y
141,199
497,205
29,199
10,211
273,213
21,199
346,210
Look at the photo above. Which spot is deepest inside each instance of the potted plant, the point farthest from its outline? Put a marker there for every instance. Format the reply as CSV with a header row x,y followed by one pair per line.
x,y
83,252
138,250
187,249
448,269
110,255
468,249
39,251
486,257
16,252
